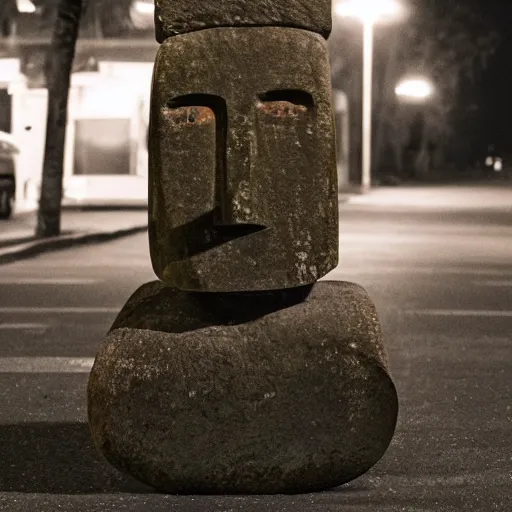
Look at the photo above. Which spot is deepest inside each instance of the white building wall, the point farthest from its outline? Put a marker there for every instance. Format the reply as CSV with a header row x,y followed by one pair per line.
x,y
119,91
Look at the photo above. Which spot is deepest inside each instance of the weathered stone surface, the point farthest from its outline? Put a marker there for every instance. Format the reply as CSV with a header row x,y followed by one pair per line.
x,y
173,17
277,392
242,176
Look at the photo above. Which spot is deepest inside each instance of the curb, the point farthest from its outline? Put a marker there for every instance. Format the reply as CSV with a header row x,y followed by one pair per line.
x,y
31,249
35,248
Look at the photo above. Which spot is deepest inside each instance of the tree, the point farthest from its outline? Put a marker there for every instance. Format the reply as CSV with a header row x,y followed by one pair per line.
x,y
60,62
102,18
451,45
105,17
7,11
447,42
66,19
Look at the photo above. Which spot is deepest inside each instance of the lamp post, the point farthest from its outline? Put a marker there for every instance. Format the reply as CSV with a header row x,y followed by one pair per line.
x,y
369,12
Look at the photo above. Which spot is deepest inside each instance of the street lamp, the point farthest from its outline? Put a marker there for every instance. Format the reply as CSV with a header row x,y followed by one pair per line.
x,y
369,12
25,6
142,14
144,7
414,90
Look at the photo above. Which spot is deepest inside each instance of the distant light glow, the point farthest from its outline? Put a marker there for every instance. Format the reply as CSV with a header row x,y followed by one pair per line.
x,y
370,11
144,7
25,6
415,88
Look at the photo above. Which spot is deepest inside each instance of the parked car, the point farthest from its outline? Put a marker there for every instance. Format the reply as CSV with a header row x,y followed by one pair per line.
x,y
8,157
494,163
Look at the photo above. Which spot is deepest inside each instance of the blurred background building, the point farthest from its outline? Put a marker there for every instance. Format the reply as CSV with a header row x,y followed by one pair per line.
x,y
106,134
459,48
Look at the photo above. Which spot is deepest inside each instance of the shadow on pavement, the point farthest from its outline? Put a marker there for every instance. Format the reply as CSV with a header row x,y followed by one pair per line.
x,y
57,458
10,242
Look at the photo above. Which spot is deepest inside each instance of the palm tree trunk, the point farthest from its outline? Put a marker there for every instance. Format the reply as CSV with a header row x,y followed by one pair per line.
x,y
60,62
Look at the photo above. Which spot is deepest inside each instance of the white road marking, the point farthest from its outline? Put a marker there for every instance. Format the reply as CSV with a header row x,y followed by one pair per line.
x,y
461,312
46,364
121,262
497,284
57,310
21,326
431,272
48,280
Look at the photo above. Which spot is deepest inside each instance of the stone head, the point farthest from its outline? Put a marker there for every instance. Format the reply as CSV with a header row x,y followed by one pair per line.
x,y
242,175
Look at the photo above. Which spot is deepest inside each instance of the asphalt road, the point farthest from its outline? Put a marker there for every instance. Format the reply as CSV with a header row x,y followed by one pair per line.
x,y
441,277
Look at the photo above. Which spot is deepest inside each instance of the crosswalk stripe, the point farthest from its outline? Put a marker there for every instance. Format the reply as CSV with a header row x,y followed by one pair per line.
x,y
21,326
381,271
59,310
496,284
46,364
461,312
48,280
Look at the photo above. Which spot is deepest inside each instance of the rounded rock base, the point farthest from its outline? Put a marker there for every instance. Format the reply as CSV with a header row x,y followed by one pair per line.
x,y
190,399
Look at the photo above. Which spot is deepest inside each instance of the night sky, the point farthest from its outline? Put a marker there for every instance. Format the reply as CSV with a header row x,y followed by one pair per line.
x,y
495,98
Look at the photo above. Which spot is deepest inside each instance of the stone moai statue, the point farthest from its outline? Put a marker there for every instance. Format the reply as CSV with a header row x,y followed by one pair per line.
x,y
239,372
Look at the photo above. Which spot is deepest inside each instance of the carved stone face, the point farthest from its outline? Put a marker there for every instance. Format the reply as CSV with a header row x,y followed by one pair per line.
x,y
242,173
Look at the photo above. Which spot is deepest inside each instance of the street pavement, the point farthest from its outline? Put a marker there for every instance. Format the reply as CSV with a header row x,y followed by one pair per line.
x,y
440,273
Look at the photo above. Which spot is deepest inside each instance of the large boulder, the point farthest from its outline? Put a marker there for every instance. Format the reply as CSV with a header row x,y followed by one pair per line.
x,y
275,392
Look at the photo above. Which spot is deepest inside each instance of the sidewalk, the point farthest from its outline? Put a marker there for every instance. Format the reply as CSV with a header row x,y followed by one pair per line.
x,y
78,226
483,196
89,225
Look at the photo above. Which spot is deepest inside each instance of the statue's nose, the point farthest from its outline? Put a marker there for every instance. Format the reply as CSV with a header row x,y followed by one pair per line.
x,y
234,164
233,215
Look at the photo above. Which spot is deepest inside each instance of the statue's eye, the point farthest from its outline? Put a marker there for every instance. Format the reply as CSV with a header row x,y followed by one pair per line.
x,y
189,115
283,109
285,104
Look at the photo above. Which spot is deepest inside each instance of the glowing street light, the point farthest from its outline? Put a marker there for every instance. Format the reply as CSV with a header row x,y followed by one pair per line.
x,y
414,89
142,14
144,7
369,12
25,6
